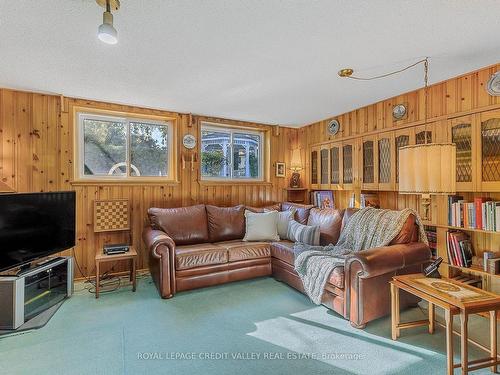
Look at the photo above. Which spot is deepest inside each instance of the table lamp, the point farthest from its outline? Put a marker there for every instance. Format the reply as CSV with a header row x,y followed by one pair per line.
x,y
295,166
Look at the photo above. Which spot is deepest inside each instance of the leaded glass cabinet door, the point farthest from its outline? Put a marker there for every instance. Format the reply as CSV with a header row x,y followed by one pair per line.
x,y
489,152
462,134
335,165
324,156
314,168
425,134
349,165
386,165
369,163
402,138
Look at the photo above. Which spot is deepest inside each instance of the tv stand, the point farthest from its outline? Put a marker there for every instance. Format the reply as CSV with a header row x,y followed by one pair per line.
x,y
31,291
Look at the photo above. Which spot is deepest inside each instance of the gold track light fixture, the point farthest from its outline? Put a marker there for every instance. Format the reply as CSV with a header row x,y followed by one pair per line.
x,y
106,31
348,72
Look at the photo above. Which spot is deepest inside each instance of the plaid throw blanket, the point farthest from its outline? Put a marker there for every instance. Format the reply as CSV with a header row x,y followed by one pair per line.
x,y
368,228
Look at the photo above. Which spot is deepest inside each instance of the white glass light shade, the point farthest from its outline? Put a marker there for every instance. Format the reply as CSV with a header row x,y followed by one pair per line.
x,y
427,169
106,32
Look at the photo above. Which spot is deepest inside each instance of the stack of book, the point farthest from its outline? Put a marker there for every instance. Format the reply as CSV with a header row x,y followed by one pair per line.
x,y
459,248
483,213
323,199
432,238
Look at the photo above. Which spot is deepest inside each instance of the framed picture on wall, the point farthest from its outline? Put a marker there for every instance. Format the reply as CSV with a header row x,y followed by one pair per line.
x,y
280,169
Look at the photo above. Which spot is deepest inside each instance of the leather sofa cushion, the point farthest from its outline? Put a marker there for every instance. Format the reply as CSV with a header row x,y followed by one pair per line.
x,y
225,223
301,213
272,207
337,277
205,254
185,225
329,221
240,250
283,250
408,233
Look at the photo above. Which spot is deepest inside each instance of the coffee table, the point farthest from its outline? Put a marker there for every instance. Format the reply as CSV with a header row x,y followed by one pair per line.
x,y
456,299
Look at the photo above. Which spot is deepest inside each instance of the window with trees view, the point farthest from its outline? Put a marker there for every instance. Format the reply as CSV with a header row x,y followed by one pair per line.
x,y
230,153
119,147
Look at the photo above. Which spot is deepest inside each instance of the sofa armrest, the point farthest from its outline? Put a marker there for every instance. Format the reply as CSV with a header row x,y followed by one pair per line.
x,y
381,260
157,242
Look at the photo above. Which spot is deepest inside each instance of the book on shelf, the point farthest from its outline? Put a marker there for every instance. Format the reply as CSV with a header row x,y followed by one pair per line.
x,y
482,213
323,199
459,248
432,239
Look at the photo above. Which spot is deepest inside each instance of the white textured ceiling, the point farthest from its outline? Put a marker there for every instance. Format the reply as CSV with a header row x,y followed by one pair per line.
x,y
271,61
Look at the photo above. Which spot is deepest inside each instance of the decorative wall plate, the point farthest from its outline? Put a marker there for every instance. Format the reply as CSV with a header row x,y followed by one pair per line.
x,y
399,112
189,141
493,86
333,127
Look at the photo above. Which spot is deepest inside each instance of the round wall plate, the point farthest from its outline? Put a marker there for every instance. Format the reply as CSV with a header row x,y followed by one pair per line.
x,y
493,86
399,111
333,127
189,141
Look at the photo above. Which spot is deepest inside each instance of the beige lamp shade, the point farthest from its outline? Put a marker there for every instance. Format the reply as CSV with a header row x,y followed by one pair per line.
x,y
296,162
427,169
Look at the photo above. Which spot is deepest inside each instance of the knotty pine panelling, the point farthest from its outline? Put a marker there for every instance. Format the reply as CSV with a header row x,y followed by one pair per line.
x,y
36,154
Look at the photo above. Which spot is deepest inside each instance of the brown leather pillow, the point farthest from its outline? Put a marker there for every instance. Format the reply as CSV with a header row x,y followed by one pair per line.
x,y
301,213
185,225
329,221
272,207
407,233
225,223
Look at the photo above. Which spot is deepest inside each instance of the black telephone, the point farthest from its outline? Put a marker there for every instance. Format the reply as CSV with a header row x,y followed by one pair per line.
x,y
432,269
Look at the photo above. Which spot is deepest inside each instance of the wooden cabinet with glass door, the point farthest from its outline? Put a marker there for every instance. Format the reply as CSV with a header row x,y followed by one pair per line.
x,y
336,166
314,167
488,160
386,161
425,134
349,164
402,138
369,163
461,131
324,167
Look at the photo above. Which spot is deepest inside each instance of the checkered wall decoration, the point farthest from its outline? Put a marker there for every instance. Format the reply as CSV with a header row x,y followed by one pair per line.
x,y
111,215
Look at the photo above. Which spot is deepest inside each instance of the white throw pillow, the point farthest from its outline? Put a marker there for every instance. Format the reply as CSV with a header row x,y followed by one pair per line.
x,y
307,234
261,226
284,218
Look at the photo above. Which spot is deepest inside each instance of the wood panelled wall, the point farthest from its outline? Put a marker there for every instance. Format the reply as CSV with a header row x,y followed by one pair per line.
x,y
36,154
455,97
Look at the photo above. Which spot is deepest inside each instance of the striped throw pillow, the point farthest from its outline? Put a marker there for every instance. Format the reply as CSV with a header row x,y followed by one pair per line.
x,y
303,233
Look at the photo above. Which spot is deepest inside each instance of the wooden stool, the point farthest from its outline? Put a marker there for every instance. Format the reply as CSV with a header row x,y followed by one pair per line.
x,y
103,258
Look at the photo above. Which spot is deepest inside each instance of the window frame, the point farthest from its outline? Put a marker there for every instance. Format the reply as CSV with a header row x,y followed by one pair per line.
x,y
231,130
81,113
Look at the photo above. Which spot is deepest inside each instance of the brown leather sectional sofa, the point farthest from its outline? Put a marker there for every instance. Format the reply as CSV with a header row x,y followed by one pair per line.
x,y
198,246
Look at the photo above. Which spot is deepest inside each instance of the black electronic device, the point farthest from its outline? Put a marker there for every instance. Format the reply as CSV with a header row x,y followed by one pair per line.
x,y
35,225
432,269
115,249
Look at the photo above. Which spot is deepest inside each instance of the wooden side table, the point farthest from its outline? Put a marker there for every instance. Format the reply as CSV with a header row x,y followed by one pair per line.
x,y
456,299
296,195
131,255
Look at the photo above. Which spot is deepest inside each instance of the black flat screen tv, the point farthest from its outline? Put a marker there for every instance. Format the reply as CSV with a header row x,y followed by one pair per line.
x,y
35,225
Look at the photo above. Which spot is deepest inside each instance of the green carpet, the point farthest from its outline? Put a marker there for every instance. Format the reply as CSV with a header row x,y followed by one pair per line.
x,y
253,327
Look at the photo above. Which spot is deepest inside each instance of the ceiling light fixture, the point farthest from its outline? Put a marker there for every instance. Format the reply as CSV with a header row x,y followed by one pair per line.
x,y
347,72
106,32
